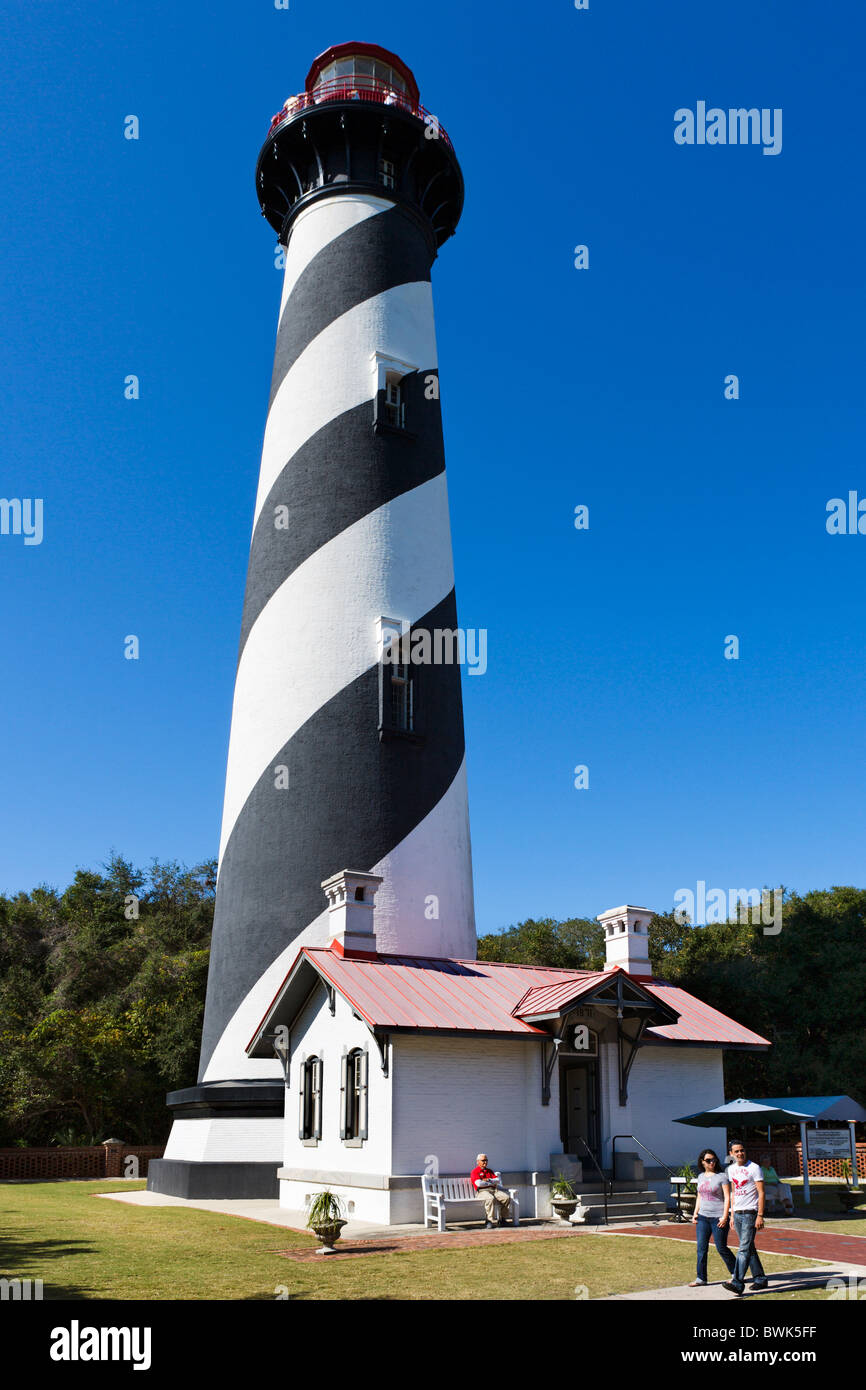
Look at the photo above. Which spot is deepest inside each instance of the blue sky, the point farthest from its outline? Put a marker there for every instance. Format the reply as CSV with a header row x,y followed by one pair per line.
x,y
560,387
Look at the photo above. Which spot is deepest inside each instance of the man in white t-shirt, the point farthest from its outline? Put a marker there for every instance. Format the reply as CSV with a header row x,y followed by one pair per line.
x,y
747,1214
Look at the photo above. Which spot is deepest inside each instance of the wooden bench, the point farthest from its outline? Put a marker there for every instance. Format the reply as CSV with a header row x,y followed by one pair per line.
x,y
438,1192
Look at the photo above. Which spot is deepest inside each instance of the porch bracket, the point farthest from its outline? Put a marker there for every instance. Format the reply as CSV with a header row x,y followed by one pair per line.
x,y
626,1061
382,1043
549,1054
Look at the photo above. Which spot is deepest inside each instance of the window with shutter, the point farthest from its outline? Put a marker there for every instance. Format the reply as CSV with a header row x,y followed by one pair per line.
x,y
310,1101
355,1098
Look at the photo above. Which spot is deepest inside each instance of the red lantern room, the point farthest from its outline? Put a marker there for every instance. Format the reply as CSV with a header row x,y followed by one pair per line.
x,y
373,72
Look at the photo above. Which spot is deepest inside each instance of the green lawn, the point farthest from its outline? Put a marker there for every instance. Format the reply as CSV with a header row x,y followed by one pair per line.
x,y
824,1212
82,1247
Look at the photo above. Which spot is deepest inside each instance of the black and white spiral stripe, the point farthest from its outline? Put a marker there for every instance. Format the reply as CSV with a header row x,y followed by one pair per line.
x,y
368,537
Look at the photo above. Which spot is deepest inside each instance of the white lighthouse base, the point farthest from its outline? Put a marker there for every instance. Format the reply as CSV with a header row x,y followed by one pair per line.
x,y
226,1141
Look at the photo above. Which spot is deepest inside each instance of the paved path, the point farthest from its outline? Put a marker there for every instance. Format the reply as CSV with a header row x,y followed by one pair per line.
x,y
778,1284
777,1240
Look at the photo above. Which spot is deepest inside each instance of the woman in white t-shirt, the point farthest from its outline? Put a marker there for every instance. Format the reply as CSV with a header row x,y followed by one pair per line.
x,y
712,1210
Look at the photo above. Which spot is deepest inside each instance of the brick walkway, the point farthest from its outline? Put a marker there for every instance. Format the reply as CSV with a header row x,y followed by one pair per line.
x,y
812,1245
459,1240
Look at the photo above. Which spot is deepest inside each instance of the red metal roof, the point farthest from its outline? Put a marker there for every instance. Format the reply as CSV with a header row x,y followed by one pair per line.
x,y
434,993
698,1022
549,999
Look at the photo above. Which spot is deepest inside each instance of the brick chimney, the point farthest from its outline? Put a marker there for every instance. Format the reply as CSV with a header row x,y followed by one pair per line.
x,y
626,943
351,897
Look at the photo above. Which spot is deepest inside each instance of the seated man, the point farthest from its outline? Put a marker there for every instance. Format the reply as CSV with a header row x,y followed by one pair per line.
x,y
486,1184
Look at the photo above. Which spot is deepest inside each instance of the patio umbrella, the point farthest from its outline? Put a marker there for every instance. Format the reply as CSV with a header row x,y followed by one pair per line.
x,y
753,1112
744,1112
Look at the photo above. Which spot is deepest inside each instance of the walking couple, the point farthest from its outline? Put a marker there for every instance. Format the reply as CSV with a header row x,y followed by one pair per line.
x,y
736,1193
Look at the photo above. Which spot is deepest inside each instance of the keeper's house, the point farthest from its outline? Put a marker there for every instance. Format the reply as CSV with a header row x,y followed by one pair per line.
x,y
400,1065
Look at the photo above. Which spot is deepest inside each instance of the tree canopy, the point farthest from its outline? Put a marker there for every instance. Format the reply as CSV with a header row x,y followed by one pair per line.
x,y
101,999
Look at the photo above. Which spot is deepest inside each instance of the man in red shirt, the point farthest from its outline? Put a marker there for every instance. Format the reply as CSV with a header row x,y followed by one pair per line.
x,y
497,1204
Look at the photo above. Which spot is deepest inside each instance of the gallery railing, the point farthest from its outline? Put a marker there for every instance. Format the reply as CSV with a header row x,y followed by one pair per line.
x,y
360,89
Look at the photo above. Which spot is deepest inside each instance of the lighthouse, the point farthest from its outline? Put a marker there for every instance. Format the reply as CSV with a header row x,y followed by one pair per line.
x,y
346,760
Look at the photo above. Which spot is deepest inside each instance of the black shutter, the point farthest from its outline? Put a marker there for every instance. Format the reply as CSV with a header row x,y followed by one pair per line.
x,y
344,1091
317,1099
302,1098
363,1065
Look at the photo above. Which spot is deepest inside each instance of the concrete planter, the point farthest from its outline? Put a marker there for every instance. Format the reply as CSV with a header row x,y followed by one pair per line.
x,y
328,1235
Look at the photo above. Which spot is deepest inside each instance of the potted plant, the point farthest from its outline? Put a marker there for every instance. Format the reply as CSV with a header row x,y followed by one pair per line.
x,y
688,1191
325,1218
563,1197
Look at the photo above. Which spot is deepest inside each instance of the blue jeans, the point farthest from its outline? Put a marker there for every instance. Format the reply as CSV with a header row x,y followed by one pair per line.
x,y
709,1226
747,1255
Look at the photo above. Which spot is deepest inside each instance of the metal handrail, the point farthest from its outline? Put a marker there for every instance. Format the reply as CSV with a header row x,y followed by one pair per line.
x,y
604,1180
646,1149
358,88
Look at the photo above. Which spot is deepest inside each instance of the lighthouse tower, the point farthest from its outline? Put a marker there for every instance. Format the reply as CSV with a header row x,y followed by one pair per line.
x,y
342,759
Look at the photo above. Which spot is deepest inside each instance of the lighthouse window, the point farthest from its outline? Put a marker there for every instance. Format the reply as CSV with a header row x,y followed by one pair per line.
x,y
401,699
398,690
373,74
310,1120
395,406
388,173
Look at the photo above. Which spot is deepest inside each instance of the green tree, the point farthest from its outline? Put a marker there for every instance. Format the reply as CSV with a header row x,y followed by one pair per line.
x,y
101,999
576,944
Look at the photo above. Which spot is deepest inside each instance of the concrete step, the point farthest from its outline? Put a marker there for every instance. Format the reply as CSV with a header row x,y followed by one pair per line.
x,y
590,1188
637,1194
618,1218
623,1207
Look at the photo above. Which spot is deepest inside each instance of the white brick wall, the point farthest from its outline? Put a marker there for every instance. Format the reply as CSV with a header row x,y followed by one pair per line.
x,y
667,1082
319,1033
457,1096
